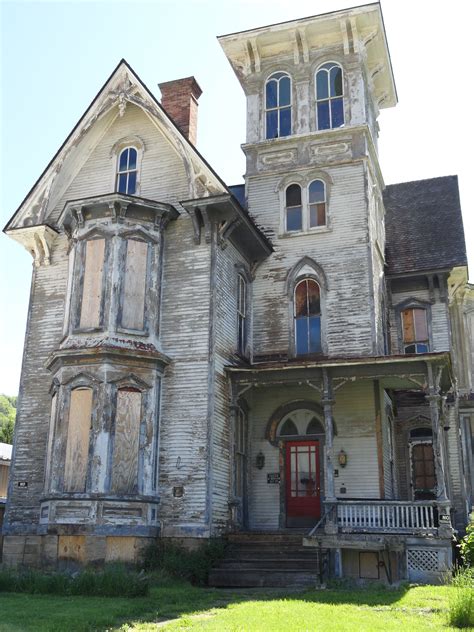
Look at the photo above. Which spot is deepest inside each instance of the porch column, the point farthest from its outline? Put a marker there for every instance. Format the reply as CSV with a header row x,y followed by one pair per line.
x,y
328,403
434,399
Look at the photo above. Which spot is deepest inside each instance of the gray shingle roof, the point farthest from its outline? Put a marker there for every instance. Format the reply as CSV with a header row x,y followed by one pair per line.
x,y
423,223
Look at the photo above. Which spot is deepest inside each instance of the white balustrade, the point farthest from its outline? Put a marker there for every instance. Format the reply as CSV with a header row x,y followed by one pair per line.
x,y
388,516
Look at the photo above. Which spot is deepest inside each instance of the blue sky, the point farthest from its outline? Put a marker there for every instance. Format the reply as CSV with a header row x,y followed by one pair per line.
x,y
56,55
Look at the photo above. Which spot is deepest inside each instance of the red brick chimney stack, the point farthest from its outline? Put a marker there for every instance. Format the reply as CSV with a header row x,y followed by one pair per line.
x,y
180,100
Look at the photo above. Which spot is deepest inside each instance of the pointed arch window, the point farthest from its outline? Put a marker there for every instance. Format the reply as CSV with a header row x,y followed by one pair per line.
x,y
278,105
307,317
329,96
127,171
293,208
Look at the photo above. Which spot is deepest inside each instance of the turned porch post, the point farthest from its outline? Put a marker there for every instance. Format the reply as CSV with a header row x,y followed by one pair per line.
x,y
434,399
328,403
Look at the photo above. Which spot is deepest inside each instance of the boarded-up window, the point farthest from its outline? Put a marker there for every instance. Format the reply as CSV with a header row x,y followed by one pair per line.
x,y
92,284
134,285
415,331
52,421
77,450
127,432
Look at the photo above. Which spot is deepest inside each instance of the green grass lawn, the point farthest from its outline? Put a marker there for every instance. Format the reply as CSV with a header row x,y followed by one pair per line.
x,y
173,606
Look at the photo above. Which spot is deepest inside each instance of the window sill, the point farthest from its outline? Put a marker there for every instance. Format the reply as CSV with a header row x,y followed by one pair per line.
x,y
309,231
132,332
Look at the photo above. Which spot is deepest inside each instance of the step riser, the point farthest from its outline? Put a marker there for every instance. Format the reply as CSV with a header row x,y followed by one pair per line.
x,y
248,579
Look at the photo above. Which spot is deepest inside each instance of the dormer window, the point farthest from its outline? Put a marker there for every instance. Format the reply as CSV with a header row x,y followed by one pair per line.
x,y
329,96
278,105
415,331
127,171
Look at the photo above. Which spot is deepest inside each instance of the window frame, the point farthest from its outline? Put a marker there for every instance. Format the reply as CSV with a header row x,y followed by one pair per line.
x,y
127,171
304,182
116,151
306,280
329,99
242,314
278,108
413,303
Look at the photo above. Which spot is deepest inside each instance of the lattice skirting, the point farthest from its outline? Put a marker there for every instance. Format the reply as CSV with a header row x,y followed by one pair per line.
x,y
423,560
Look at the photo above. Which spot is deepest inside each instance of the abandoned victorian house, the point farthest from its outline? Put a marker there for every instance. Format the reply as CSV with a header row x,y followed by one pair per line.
x,y
285,362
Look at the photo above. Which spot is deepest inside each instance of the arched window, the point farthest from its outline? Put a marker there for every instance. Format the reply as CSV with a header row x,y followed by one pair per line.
x,y
124,477
293,208
329,96
317,203
278,105
289,429
307,317
415,330
314,427
127,171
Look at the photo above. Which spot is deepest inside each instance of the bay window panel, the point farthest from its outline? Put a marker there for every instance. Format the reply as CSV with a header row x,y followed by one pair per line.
x,y
77,449
133,305
126,442
92,284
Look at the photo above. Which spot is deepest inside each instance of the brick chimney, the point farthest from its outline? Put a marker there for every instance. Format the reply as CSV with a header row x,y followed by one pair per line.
x,y
180,100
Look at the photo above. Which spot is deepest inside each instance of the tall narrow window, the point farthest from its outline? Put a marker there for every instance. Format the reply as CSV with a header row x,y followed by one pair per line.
x,y
415,331
134,288
307,316
242,315
240,443
278,105
126,439
127,171
317,203
92,284
77,449
329,96
294,209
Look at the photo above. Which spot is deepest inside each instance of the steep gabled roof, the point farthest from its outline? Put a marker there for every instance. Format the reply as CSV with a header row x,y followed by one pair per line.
x,y
122,87
424,229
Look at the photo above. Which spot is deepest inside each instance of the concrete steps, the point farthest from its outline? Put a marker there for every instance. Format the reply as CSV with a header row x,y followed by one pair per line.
x,y
267,560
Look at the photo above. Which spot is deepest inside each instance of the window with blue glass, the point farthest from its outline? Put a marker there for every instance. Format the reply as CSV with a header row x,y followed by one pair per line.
x,y
278,105
317,203
293,208
127,171
307,317
329,96
415,331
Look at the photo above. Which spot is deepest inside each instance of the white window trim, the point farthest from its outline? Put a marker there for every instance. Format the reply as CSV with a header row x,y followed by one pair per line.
x,y
342,96
306,228
278,108
124,143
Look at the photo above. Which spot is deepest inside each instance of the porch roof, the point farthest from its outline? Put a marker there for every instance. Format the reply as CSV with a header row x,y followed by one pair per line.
x,y
396,371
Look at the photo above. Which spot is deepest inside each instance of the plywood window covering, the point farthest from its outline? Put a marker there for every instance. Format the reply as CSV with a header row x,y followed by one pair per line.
x,y
77,449
52,422
134,289
92,284
242,314
415,331
126,441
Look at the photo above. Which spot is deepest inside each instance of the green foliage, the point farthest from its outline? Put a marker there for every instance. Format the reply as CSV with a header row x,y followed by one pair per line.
x,y
466,546
114,581
461,600
7,418
180,562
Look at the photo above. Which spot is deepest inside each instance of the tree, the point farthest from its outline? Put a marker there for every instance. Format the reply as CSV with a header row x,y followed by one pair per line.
x,y
7,418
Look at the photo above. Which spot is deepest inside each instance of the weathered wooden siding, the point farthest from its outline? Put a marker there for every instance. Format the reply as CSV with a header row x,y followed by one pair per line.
x,y
342,252
44,332
162,174
184,336
354,414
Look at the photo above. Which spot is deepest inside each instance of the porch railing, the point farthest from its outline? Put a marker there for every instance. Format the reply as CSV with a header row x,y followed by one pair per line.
x,y
386,516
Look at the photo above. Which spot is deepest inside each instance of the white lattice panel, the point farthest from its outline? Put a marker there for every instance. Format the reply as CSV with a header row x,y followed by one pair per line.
x,y
423,560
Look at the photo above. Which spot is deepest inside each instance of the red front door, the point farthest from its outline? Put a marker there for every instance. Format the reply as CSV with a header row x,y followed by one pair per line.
x,y
303,500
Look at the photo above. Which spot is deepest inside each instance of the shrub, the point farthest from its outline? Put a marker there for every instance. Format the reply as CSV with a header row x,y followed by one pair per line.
x,y
114,581
461,599
180,562
466,546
